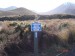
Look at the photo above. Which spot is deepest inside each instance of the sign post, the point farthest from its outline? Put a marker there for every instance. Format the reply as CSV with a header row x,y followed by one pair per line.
x,y
35,27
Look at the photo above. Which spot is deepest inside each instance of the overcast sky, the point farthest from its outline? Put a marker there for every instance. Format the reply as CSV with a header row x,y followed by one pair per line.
x,y
36,5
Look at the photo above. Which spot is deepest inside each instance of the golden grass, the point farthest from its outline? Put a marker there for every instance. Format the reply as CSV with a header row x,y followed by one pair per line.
x,y
52,24
63,35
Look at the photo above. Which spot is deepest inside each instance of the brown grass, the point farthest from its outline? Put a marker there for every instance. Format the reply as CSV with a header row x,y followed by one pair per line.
x,y
62,28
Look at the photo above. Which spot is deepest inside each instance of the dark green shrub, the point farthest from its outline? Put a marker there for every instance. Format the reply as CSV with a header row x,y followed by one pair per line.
x,y
13,24
29,27
63,26
1,39
18,28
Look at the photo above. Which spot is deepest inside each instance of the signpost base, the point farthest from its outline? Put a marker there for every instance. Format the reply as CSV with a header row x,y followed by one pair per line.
x,y
35,44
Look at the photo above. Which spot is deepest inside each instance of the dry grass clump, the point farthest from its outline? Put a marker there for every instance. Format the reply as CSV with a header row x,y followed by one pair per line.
x,y
63,35
64,29
67,27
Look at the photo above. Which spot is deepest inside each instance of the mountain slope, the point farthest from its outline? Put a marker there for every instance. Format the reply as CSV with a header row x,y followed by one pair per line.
x,y
66,8
7,14
16,12
23,11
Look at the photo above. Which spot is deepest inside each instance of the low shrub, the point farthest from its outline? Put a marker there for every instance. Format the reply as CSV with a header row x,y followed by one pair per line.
x,y
63,26
13,24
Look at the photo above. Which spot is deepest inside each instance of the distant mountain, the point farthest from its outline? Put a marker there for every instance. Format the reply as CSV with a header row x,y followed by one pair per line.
x,y
23,11
8,8
66,8
16,12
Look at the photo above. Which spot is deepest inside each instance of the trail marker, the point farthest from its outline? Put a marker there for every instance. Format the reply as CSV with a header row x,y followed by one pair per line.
x,y
35,27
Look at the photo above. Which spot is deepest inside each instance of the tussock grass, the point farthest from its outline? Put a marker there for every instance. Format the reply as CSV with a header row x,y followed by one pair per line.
x,y
63,30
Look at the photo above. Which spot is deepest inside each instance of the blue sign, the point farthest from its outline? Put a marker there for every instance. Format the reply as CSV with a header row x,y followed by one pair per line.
x,y
36,26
